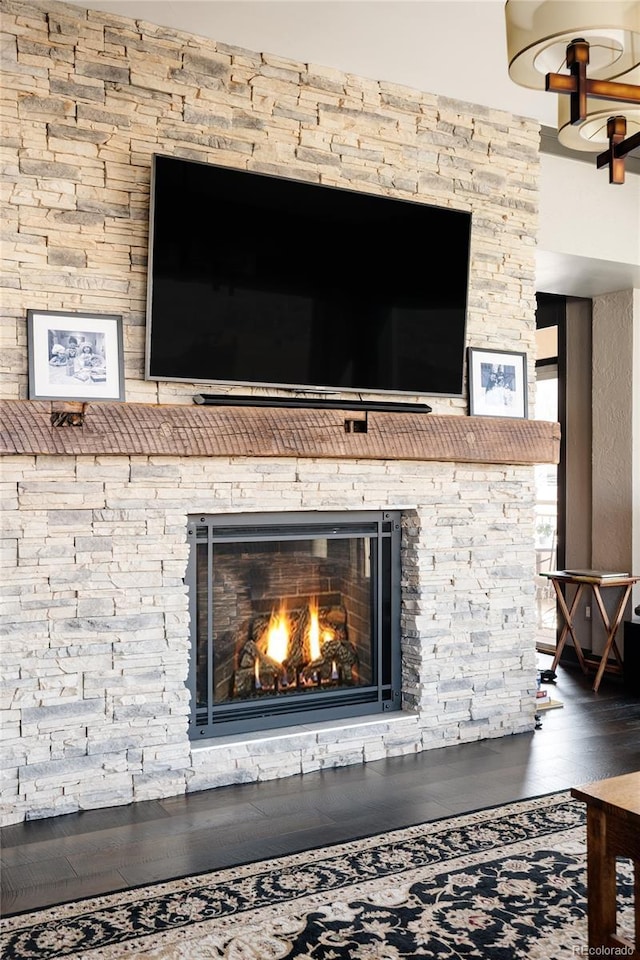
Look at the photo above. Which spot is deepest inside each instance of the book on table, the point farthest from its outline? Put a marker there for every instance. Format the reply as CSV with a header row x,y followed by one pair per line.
x,y
595,576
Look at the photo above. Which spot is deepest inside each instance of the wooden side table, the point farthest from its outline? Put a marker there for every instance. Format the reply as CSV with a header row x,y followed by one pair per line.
x,y
596,584
613,830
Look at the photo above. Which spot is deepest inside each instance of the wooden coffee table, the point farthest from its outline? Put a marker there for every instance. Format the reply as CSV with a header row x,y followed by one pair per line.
x,y
613,830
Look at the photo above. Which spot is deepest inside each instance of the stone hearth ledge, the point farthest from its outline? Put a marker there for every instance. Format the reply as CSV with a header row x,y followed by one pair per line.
x,y
287,751
116,429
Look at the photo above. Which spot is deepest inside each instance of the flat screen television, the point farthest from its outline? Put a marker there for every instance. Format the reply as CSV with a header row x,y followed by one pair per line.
x,y
262,280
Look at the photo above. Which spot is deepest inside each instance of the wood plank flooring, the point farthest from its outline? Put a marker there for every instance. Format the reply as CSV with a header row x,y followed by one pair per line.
x,y
64,858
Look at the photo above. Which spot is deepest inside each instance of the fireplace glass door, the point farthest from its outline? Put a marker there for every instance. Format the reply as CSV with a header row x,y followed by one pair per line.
x,y
295,618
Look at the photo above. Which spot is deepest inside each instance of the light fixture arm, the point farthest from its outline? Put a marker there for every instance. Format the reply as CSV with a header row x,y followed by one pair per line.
x,y
619,147
598,89
577,61
579,87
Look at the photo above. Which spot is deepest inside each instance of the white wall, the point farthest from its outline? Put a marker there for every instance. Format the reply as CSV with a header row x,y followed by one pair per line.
x,y
589,234
615,517
589,246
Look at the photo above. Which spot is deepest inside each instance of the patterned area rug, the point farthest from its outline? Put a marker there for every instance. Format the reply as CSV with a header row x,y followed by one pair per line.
x,y
499,884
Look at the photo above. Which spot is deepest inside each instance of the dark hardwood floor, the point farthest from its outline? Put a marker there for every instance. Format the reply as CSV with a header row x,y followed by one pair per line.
x,y
98,851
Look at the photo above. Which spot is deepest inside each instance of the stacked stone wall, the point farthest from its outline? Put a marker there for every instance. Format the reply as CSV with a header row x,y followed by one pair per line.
x,y
97,638
96,630
88,98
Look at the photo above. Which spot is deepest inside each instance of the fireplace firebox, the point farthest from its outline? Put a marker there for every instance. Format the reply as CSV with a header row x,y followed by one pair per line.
x,y
295,618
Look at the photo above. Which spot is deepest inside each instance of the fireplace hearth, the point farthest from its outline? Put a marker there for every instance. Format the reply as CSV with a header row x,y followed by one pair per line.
x,y
295,618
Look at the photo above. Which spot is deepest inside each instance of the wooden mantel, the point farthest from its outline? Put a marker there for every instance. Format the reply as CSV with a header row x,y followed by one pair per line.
x,y
122,429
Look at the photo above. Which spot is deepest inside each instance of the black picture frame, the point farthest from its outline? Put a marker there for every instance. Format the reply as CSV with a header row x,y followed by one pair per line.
x,y
497,383
75,356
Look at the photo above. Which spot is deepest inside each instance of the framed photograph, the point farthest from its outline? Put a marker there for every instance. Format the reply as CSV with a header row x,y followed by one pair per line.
x,y
75,356
497,383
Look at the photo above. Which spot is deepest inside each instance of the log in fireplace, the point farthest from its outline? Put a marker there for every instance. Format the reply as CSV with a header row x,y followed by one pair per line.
x,y
295,618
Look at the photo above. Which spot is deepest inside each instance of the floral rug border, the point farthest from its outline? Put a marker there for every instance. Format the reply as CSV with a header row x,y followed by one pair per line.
x,y
99,922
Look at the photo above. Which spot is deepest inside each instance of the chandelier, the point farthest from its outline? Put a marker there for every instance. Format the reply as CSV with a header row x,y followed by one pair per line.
x,y
588,53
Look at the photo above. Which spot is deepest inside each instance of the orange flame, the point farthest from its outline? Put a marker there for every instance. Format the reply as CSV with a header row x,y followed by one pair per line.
x,y
316,636
278,637
314,632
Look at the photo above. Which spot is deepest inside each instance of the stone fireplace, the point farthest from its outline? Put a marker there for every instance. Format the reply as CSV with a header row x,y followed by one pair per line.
x,y
101,683
108,536
295,617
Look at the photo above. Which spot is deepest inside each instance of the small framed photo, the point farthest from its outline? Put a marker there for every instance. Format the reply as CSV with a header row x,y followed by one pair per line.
x,y
497,383
75,356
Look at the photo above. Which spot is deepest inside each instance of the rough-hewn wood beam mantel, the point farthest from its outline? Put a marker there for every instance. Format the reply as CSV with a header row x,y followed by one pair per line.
x,y
120,429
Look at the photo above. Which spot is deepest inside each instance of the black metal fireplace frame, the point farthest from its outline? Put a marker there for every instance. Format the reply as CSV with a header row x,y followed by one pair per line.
x,y
383,695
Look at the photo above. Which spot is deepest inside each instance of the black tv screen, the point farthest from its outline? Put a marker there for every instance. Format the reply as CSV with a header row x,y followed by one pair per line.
x,y
261,280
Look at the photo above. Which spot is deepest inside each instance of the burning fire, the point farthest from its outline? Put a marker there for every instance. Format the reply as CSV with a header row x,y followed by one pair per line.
x,y
299,648
278,637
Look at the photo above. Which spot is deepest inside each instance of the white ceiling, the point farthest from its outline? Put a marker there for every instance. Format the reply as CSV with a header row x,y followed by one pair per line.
x,y
456,48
